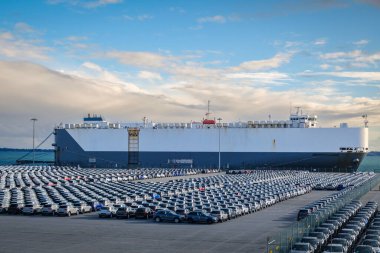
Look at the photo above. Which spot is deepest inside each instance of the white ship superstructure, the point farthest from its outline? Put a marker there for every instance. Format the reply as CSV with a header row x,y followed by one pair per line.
x,y
295,143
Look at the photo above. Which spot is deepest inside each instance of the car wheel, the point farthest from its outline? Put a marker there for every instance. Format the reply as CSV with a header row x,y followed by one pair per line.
x,y
158,219
176,220
209,221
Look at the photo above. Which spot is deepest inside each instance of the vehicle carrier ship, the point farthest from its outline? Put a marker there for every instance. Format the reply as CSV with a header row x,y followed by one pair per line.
x,y
296,143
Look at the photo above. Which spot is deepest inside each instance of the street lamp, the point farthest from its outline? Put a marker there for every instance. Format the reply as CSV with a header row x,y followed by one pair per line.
x,y
219,126
34,151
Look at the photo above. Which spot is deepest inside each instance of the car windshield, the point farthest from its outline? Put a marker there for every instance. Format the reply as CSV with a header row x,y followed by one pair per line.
x,y
310,240
345,236
371,243
105,208
363,249
334,248
301,247
339,241
47,205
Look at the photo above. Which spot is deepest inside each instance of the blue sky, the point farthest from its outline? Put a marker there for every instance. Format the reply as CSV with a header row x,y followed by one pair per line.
x,y
165,59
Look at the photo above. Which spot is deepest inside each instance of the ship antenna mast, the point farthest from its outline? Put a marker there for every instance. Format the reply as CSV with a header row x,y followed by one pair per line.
x,y
208,109
365,117
298,109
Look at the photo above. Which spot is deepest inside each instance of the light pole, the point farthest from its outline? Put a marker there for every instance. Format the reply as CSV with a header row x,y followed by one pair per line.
x,y
34,152
219,126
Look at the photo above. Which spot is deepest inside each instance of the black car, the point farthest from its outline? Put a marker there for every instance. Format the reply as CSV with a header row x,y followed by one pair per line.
x,y
15,208
143,213
123,213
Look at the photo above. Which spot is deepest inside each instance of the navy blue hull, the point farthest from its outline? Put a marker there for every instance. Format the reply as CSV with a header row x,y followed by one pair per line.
x,y
68,152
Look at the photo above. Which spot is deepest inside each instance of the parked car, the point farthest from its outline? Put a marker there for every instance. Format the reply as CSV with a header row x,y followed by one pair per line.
x,y
333,248
168,215
201,217
82,207
301,248
49,209
123,213
67,210
107,212
144,213
364,249
31,209
15,208
220,215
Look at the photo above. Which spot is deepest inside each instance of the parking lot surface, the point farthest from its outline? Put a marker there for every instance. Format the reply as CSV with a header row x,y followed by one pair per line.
x,y
87,233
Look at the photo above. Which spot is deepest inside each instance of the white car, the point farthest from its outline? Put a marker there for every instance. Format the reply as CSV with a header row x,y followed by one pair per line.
x,y
107,212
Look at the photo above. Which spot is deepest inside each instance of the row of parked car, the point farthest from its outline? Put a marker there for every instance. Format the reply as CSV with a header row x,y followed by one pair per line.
x,y
234,195
159,215
341,232
21,176
44,190
360,178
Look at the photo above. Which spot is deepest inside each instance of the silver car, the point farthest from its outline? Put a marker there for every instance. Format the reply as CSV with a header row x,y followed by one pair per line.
x,y
49,209
220,215
31,209
83,208
67,210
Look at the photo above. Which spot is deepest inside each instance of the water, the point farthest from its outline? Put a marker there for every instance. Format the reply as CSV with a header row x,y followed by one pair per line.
x,y
10,157
370,163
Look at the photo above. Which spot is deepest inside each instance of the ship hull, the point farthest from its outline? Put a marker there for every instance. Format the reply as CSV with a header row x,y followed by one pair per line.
x,y
69,152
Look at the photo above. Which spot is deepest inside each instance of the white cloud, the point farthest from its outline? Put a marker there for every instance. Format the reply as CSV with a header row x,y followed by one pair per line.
x,y
182,97
355,58
212,19
340,55
24,27
140,59
271,63
6,36
320,42
16,48
92,66
361,42
149,75
76,38
364,76
324,66
261,78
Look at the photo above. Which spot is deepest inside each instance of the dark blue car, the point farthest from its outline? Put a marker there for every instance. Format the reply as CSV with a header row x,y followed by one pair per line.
x,y
201,217
168,215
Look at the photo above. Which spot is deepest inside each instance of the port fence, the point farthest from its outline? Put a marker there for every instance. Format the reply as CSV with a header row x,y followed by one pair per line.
x,y
284,240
